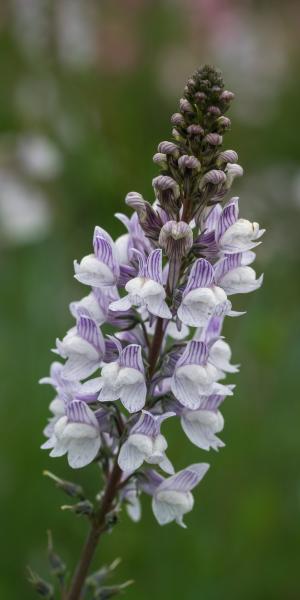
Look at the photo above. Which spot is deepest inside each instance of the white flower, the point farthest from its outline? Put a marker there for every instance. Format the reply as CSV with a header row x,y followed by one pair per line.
x,y
201,297
100,269
200,426
241,281
240,236
76,434
125,379
172,498
145,443
83,347
220,356
146,290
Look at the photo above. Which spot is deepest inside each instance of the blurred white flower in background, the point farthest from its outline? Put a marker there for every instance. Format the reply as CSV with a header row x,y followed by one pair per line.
x,y
28,162
39,157
25,214
76,31
30,22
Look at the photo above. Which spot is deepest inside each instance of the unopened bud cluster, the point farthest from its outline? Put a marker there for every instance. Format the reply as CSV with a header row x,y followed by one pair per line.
x,y
164,288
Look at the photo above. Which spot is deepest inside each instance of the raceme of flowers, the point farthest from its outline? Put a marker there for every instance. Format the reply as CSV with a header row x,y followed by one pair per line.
x,y
164,287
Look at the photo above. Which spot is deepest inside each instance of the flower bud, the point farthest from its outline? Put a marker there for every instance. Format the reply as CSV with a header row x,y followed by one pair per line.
x,y
228,156
223,124
57,566
96,579
110,591
134,200
214,139
200,97
160,159
81,508
176,238
215,177
168,194
178,120
189,162
195,130
185,106
227,96
190,84
163,183
70,488
214,110
216,89
43,588
168,148
149,218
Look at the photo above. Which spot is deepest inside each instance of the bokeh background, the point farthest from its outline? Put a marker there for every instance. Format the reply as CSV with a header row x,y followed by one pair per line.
x,y
87,91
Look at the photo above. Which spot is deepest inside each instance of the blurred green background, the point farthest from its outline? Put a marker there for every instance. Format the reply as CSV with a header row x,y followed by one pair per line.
x,y
87,91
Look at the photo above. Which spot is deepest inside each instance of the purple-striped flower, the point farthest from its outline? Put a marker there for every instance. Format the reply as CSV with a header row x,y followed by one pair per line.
x,y
219,350
76,434
201,425
83,347
146,290
95,304
231,234
172,497
101,268
201,297
234,274
234,234
135,239
145,443
124,379
65,389
195,378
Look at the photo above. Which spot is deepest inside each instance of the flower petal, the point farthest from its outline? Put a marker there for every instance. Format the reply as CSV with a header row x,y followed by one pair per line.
x,y
130,457
82,451
201,275
133,397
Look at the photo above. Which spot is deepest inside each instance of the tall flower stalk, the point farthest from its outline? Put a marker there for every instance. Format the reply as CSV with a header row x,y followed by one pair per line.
x,y
165,287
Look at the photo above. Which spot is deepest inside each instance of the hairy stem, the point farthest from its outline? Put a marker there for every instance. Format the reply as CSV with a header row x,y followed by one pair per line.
x,y
97,528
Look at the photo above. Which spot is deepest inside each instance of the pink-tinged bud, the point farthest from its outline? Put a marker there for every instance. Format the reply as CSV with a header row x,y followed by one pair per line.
x,y
176,239
190,84
215,177
223,124
160,159
227,96
189,162
178,120
195,130
168,148
214,110
185,106
200,97
228,156
214,139
163,183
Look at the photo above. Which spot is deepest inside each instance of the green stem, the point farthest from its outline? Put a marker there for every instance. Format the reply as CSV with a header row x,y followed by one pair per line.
x,y
97,528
